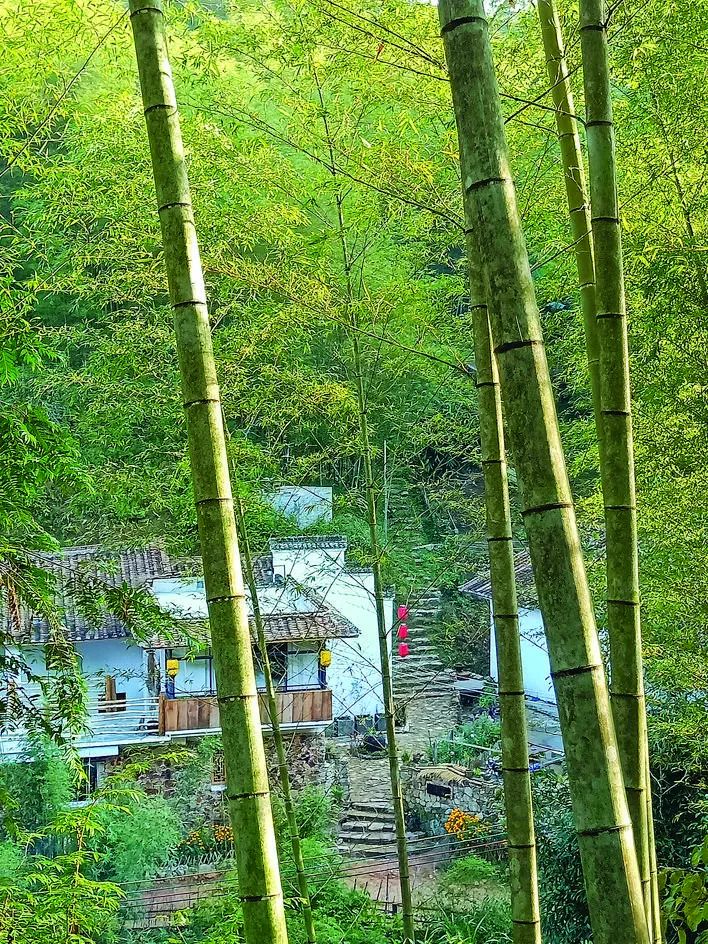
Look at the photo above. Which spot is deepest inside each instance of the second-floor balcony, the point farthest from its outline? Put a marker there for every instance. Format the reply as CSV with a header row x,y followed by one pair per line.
x,y
307,710
112,724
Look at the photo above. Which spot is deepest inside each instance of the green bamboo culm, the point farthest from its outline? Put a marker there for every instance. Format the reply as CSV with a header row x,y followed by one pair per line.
x,y
404,878
599,804
576,190
280,751
521,839
407,916
247,780
617,468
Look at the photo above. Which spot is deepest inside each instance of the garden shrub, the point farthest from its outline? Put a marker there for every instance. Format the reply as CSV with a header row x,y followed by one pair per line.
x,y
470,870
686,900
138,837
36,789
564,908
484,922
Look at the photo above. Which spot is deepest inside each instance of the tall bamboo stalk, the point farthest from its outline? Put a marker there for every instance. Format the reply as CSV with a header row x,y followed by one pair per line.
x,y
514,736
384,651
599,804
281,753
404,878
246,774
618,485
576,191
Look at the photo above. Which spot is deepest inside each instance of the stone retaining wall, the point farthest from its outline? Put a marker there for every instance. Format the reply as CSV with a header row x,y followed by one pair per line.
x,y
431,793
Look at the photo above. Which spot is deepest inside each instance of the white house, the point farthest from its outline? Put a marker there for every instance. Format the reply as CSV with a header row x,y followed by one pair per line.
x,y
311,603
534,650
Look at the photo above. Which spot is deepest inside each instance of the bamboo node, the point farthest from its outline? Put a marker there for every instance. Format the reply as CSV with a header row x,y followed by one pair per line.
x,y
158,105
254,898
169,206
193,302
146,10
461,21
519,343
246,796
577,670
487,182
601,830
551,506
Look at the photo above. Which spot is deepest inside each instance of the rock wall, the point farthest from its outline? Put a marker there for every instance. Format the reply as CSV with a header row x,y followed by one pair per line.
x,y
432,793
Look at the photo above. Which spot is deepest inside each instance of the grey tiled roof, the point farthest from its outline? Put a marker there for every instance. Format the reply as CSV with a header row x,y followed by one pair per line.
x,y
481,584
306,542
138,567
298,627
135,568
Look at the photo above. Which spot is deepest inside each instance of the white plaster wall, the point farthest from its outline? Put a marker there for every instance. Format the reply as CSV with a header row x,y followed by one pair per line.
x,y
354,675
307,504
121,658
534,656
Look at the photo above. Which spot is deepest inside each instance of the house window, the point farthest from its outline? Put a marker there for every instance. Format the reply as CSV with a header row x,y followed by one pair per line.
x,y
278,658
88,784
199,666
218,771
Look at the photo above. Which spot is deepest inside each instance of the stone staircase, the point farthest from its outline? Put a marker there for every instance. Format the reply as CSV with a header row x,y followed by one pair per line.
x,y
368,831
423,687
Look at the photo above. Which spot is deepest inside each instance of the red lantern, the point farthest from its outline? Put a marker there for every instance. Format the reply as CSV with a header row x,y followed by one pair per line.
x,y
403,631
403,649
402,612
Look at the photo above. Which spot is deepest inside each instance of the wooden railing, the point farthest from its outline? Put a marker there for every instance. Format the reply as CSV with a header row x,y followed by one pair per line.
x,y
201,712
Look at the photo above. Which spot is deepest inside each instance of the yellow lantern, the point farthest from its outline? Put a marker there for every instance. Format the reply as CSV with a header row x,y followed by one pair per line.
x,y
172,667
325,658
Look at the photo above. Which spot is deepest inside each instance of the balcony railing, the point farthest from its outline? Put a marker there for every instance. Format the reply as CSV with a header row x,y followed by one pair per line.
x,y
304,708
134,721
107,723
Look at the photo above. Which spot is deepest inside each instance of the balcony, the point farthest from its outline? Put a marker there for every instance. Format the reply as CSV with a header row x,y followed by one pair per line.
x,y
307,710
108,725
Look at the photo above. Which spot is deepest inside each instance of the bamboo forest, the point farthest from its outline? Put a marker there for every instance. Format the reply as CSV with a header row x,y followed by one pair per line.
x,y
353,472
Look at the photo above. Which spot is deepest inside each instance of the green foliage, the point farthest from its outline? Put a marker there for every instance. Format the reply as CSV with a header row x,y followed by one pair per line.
x,y
460,748
564,909
686,899
191,792
470,870
137,837
463,634
484,922
36,789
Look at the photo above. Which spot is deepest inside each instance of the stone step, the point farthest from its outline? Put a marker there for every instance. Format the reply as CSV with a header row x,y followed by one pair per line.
x,y
366,828
372,837
370,816
375,807
419,845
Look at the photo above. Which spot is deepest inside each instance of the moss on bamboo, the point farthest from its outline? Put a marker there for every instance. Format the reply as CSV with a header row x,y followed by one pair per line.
x,y
623,614
575,188
247,781
280,751
514,736
599,804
